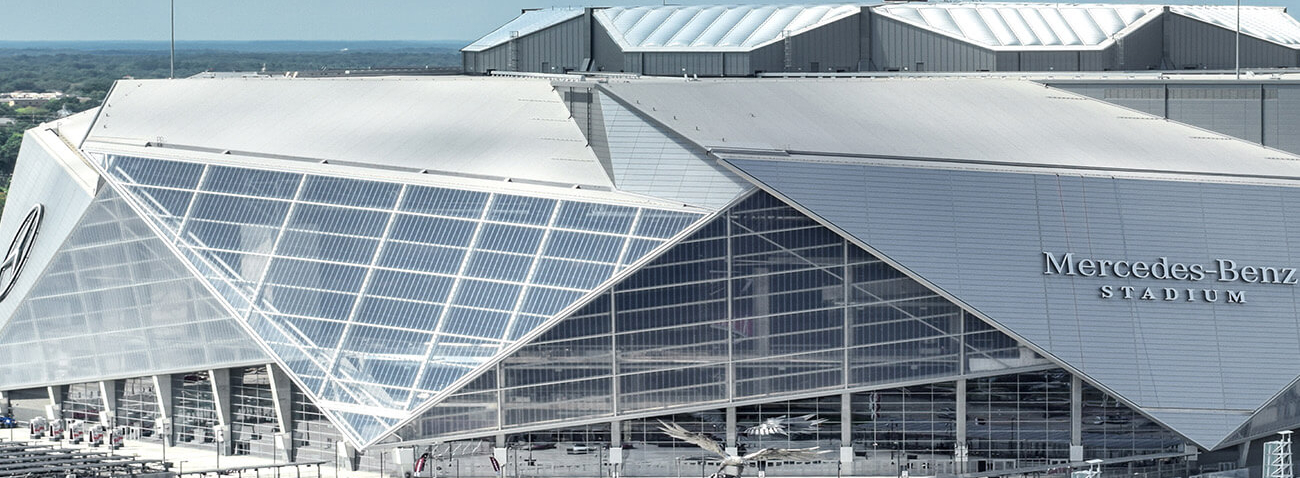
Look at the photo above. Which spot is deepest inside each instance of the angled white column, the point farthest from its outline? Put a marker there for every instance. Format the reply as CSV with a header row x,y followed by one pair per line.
x,y
54,410
108,391
162,386
282,396
220,381
347,456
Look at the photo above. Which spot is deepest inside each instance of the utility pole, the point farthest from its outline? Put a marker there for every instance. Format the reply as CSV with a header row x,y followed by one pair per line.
x,y
173,73
1238,69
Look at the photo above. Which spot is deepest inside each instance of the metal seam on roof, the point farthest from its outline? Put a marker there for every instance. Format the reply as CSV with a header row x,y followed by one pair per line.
x,y
1034,26
733,27
687,29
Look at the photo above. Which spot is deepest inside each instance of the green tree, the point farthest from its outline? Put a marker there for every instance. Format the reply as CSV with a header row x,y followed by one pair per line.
x,y
9,151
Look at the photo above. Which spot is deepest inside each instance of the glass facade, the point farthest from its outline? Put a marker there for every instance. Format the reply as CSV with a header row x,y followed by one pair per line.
x,y
252,424
1023,417
313,436
380,294
194,411
84,402
1013,421
114,301
1113,430
137,408
761,301
757,305
893,424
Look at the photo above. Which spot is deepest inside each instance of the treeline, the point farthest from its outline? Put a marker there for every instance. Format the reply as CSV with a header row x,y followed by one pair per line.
x,y
90,74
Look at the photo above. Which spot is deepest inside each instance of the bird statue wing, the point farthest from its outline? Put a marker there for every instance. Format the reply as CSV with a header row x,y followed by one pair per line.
x,y
792,454
811,420
676,431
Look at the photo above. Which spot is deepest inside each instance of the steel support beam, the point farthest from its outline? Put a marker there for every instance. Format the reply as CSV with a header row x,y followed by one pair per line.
x,y
162,386
220,381
961,453
54,410
108,393
846,433
1076,418
282,398
731,431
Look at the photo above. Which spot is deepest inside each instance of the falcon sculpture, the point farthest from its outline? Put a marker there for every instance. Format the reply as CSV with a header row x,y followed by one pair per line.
x,y
733,465
784,425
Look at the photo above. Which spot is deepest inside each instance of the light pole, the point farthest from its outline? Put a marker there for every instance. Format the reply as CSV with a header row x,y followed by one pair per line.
x,y
1238,68
173,70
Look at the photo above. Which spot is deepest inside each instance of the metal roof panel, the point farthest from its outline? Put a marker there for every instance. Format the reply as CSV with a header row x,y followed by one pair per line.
x,y
962,120
467,126
715,27
527,22
1021,26
1266,23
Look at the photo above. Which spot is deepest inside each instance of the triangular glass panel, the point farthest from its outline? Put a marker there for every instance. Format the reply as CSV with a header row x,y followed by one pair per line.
x,y
114,301
378,295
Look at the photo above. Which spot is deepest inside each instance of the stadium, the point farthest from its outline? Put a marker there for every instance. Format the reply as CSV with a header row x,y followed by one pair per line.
x,y
961,239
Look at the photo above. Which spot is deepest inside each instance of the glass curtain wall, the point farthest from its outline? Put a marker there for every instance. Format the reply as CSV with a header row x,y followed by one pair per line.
x,y
903,425
1112,430
194,411
378,293
1013,421
114,301
138,407
314,438
760,302
83,402
253,424
1022,417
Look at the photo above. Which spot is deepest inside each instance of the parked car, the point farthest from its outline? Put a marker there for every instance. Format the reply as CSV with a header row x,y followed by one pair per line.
x,y
8,422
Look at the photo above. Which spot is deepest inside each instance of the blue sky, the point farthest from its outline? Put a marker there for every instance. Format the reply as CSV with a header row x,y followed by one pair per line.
x,y
238,20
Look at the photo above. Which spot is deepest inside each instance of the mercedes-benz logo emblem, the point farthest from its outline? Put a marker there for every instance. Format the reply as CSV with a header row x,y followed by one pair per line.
x,y
16,257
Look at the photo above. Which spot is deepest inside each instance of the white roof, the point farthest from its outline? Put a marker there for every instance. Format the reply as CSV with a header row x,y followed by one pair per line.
x,y
479,127
1025,26
1266,23
714,28
968,122
528,22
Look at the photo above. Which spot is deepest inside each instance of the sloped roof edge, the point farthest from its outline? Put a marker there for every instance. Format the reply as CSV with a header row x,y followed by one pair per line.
x,y
528,22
